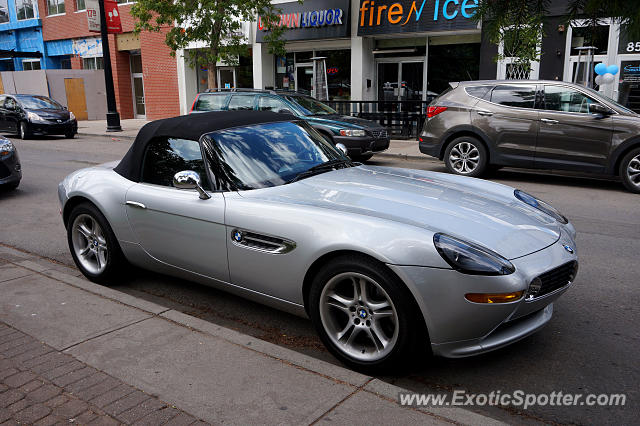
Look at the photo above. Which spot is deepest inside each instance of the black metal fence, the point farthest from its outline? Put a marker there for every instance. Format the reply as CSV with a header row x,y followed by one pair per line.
x,y
403,119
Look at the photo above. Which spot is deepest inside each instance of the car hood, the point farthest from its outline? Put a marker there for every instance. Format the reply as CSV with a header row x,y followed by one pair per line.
x,y
472,209
51,114
336,119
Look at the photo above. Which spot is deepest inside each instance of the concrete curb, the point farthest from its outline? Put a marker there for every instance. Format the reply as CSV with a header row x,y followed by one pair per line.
x,y
339,374
114,135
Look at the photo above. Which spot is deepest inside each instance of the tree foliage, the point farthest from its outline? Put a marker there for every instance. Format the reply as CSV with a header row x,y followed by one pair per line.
x,y
216,24
518,24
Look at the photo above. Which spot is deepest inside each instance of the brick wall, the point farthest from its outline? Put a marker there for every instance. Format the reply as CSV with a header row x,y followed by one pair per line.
x,y
76,63
160,77
159,67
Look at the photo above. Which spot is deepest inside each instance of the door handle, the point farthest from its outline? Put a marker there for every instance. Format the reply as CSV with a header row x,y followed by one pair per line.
x,y
485,113
136,204
549,121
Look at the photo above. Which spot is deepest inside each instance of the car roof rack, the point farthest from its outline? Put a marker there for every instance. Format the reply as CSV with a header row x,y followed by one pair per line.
x,y
250,90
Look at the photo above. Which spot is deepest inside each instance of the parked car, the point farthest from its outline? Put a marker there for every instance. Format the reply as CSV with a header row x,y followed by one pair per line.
x,y
29,115
10,168
475,125
385,261
362,137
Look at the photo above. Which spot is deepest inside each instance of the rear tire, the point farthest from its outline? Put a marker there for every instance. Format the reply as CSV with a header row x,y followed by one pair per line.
x,y
24,131
466,156
377,330
93,245
630,170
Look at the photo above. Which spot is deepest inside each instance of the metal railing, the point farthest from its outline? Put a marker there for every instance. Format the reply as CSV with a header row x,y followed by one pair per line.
x,y
403,119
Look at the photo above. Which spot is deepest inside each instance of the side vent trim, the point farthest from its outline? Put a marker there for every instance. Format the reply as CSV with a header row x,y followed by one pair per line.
x,y
260,242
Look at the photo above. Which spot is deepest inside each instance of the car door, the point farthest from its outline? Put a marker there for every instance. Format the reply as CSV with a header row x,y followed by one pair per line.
x,y
508,118
176,226
3,123
11,113
570,137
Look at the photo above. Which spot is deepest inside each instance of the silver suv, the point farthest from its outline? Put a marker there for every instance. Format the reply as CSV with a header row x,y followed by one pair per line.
x,y
477,125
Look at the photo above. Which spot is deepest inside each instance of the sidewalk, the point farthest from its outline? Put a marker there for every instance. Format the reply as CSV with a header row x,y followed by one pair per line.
x,y
407,149
73,351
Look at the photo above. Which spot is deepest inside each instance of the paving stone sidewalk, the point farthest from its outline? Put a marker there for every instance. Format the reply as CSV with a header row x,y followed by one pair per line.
x,y
42,386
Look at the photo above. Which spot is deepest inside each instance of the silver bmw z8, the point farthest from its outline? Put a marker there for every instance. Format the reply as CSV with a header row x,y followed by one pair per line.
x,y
387,262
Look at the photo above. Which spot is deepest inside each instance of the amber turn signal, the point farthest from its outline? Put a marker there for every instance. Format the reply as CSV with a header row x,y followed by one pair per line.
x,y
494,297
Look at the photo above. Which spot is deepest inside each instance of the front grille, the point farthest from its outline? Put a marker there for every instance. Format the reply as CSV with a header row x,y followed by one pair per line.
x,y
557,278
379,134
4,171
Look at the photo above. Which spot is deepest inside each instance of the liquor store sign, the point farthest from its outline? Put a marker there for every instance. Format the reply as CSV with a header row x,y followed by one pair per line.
x,y
402,16
313,19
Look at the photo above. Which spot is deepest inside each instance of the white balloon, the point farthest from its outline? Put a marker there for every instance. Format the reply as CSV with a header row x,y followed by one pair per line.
x,y
607,78
598,80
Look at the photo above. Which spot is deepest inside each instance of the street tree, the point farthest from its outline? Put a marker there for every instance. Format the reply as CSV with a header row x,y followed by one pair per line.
x,y
518,24
216,24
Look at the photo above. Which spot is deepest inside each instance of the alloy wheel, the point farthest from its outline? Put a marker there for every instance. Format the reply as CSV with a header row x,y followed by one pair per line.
x,y
89,244
633,170
464,157
359,316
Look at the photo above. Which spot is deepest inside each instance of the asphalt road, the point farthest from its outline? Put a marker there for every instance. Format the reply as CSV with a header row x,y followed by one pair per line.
x,y
590,346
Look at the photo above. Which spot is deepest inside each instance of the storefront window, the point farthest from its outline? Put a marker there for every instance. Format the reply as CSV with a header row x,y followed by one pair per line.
x,y
285,72
589,36
4,11
338,73
451,62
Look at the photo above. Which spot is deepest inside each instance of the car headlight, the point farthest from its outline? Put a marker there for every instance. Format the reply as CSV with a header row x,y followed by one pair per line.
x,y
6,147
352,132
470,258
540,205
71,116
32,116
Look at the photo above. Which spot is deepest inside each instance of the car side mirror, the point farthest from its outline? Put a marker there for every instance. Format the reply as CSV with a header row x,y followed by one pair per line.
x,y
188,179
599,109
342,149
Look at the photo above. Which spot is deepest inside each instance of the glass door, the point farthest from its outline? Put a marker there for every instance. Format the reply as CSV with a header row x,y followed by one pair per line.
x,y
628,79
304,79
226,77
137,83
400,81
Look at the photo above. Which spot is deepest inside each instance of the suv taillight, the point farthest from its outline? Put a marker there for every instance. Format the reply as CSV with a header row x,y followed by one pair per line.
x,y
432,111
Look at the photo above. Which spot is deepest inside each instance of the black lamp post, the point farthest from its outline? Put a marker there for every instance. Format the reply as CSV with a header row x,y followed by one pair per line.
x,y
113,118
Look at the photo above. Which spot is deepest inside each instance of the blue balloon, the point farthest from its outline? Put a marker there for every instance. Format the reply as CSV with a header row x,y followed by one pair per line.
x,y
600,69
613,69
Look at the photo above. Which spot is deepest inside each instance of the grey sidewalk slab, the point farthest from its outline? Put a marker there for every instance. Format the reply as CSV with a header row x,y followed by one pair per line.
x,y
209,377
58,314
209,371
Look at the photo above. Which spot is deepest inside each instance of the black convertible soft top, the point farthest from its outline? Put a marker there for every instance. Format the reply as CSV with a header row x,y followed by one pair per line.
x,y
190,127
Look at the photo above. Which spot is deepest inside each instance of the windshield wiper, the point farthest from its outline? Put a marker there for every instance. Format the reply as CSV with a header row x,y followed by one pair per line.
x,y
321,168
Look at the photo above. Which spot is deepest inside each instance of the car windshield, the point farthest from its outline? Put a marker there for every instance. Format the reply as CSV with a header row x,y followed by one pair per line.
x,y
38,102
267,155
608,99
310,106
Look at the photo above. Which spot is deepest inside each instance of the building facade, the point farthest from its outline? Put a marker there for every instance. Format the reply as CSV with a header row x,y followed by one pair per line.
x,y
21,31
409,50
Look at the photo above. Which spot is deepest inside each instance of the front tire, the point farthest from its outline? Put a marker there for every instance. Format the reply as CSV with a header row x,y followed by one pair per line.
x,y
365,315
630,170
24,131
466,156
93,245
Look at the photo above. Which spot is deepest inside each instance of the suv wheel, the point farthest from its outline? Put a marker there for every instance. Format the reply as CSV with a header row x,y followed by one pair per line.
x,y
466,156
630,170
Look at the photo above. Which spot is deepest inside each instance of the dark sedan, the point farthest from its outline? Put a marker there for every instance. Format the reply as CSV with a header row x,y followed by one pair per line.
x,y
30,115
10,169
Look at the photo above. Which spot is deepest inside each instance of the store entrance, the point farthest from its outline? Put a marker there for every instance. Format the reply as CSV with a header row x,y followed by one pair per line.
x,y
304,79
400,81
226,77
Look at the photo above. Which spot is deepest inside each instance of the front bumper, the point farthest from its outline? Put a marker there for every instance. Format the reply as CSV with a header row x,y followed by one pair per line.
x,y
50,128
459,328
362,145
10,169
